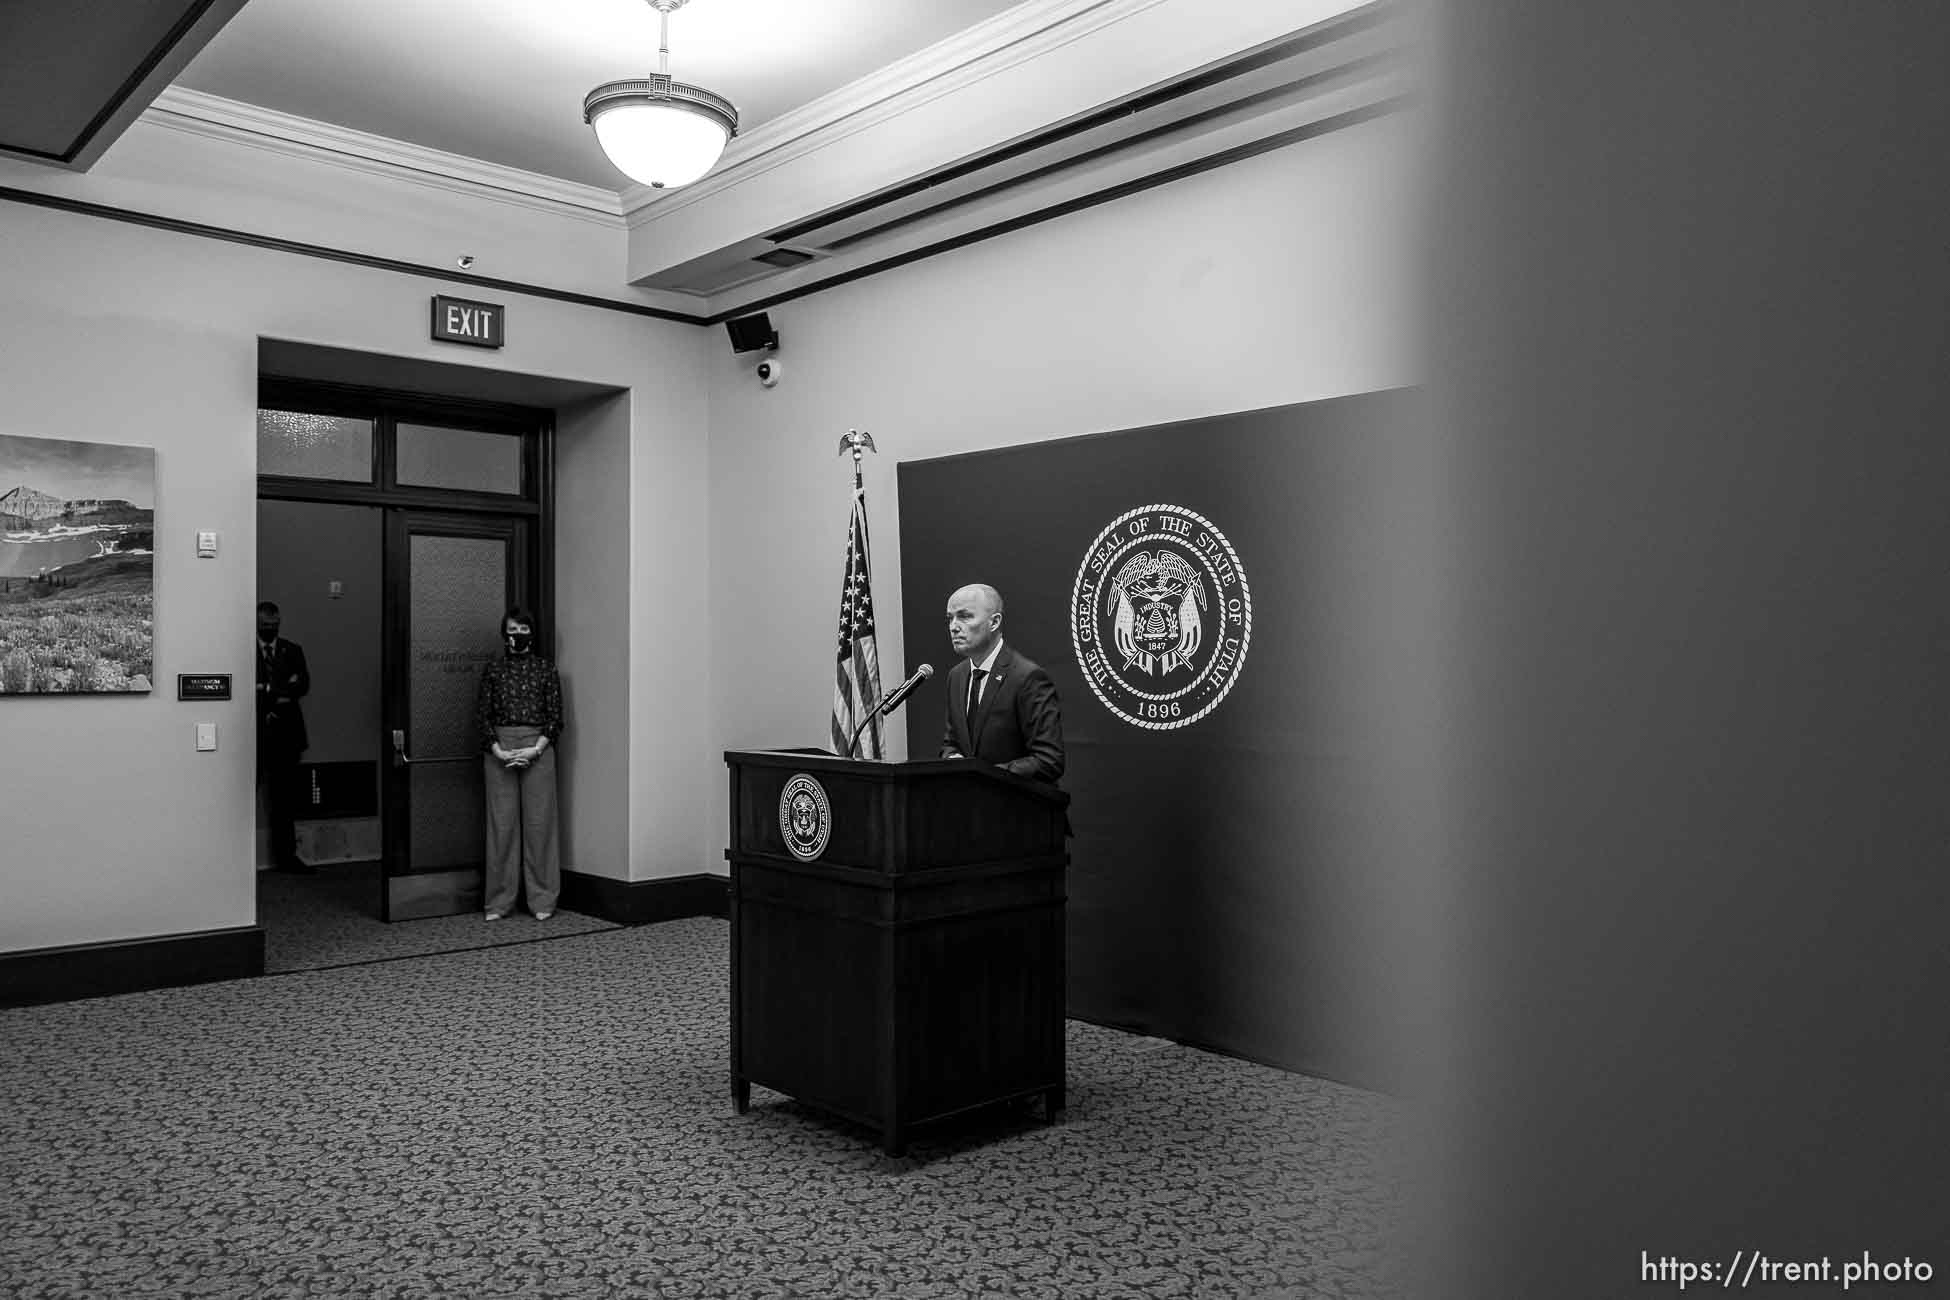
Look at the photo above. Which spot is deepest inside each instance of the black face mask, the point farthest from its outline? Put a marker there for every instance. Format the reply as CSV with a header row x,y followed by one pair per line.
x,y
519,643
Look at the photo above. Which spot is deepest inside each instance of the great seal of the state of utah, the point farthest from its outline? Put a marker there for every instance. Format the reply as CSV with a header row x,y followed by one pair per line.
x,y
805,817
1161,616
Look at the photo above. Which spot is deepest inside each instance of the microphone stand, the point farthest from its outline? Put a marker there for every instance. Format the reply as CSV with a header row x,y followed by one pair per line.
x,y
891,700
853,746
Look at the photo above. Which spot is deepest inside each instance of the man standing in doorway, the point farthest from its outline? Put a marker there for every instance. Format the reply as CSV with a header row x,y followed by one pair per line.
x,y
282,680
1002,707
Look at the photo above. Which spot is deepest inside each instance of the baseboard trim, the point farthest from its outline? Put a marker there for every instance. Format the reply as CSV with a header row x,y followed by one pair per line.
x,y
95,970
1373,1079
644,902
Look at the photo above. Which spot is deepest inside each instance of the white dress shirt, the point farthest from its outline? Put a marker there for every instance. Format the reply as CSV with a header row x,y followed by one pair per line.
x,y
987,667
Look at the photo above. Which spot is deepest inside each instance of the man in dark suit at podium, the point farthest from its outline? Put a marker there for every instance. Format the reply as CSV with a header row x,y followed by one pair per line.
x,y
1002,707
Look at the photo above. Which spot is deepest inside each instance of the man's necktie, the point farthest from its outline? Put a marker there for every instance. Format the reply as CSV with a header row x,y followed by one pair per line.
x,y
974,692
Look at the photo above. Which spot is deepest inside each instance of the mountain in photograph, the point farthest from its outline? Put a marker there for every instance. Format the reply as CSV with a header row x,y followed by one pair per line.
x,y
28,509
27,505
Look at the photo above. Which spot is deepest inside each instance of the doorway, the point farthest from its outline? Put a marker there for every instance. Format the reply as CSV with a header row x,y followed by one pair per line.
x,y
451,576
449,503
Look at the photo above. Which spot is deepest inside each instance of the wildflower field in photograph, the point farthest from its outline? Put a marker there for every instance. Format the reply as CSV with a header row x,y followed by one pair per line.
x,y
86,627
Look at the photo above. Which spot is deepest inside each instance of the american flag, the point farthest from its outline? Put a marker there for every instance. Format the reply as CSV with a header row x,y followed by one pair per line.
x,y
856,683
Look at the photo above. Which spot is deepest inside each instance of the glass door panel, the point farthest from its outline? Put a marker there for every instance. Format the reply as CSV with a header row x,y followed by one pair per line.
x,y
459,575
457,591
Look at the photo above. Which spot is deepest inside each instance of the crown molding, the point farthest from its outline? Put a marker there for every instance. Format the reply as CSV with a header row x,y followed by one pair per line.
x,y
646,306
215,117
1012,37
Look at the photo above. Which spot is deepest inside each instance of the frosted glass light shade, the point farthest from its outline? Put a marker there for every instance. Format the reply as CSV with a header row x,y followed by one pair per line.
x,y
660,133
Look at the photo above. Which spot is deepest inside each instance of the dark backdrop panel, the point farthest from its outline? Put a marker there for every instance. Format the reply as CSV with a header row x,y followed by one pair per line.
x,y
1226,884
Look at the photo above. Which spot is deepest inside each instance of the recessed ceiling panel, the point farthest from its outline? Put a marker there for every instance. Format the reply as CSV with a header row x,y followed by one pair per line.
x,y
1335,74
74,72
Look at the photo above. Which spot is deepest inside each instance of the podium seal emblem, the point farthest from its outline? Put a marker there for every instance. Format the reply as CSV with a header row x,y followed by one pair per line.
x,y
1161,616
805,817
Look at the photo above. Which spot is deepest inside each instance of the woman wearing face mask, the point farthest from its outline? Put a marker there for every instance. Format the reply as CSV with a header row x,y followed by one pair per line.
x,y
519,712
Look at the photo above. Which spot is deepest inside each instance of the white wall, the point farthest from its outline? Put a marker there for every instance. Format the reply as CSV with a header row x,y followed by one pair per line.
x,y
114,332
239,182
674,754
1285,278
592,646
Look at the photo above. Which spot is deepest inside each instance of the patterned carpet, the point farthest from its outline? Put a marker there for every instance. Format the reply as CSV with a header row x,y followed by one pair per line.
x,y
332,919
553,1120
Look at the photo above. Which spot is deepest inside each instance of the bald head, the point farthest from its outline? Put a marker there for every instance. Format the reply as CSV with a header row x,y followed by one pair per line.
x,y
974,620
990,598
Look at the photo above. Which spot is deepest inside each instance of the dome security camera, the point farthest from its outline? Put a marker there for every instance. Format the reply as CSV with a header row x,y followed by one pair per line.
x,y
768,372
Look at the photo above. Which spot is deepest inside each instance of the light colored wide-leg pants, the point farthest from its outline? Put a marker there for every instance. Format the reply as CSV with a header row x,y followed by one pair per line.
x,y
523,846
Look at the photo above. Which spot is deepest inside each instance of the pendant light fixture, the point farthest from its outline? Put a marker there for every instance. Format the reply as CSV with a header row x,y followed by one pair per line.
x,y
659,132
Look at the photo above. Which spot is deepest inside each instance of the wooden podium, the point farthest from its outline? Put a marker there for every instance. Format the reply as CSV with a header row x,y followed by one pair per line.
x,y
896,936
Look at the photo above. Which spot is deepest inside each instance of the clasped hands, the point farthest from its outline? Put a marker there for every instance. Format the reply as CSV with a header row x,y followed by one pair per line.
x,y
958,754
518,757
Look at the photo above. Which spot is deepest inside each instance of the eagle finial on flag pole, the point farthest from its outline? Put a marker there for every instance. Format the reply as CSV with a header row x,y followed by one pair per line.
x,y
858,442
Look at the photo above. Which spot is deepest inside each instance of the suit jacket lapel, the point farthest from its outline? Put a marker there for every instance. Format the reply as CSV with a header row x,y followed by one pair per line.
x,y
958,684
991,687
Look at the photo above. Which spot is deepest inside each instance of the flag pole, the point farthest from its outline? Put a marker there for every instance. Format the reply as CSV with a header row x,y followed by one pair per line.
x,y
858,442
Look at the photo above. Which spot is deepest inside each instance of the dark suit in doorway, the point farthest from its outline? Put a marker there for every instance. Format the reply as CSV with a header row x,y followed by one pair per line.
x,y
282,680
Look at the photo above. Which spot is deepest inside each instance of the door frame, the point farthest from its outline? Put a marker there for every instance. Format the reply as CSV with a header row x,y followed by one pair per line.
x,y
407,894
533,511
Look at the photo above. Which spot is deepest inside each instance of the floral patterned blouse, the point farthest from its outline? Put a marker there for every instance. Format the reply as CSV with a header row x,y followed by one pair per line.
x,y
517,691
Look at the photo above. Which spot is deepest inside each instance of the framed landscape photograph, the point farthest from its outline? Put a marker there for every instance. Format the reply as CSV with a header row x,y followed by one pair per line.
x,y
77,567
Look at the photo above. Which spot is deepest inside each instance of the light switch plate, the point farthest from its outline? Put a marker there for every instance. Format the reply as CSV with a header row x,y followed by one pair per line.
x,y
206,737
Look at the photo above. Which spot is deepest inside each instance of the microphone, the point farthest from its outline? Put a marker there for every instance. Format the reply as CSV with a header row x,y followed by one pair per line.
x,y
888,703
906,688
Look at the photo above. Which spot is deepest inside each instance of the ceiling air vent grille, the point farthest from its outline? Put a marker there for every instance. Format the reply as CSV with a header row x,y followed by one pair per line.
x,y
784,257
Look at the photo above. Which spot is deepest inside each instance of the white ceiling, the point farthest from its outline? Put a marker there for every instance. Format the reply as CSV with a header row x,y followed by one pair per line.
x,y
503,80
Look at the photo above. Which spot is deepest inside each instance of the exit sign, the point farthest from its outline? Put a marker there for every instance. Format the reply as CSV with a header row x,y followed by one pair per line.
x,y
457,320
